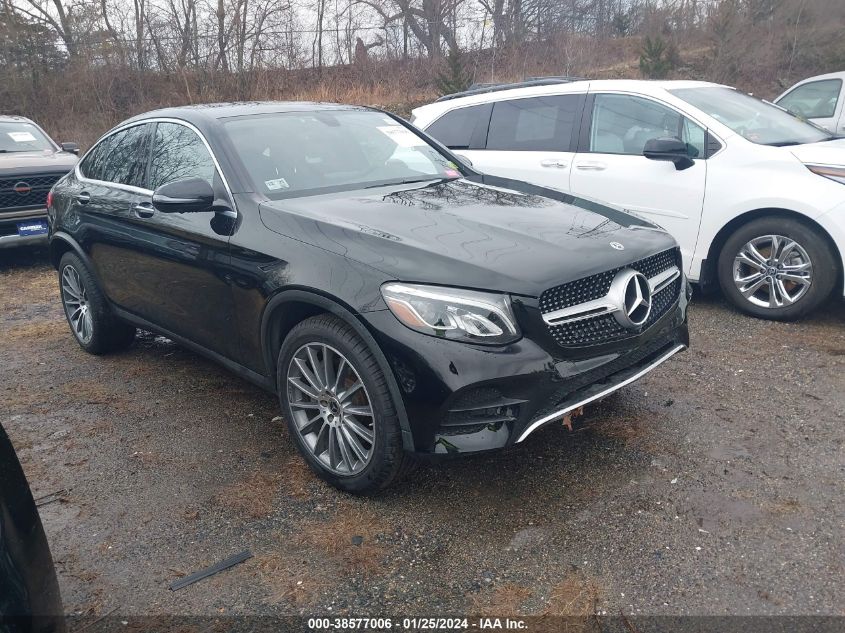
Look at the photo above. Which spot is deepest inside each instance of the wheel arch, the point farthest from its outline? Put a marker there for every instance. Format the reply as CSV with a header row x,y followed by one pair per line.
x,y
61,243
709,274
290,307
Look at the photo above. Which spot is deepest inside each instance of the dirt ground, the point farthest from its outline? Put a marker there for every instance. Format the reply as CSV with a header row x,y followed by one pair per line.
x,y
712,486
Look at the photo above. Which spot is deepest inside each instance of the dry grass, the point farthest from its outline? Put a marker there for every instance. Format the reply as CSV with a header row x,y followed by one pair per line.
x,y
34,330
290,580
253,497
503,601
337,538
624,428
297,479
576,595
20,289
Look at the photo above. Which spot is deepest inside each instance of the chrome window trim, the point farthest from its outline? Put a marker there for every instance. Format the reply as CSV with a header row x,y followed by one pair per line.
x,y
562,412
142,190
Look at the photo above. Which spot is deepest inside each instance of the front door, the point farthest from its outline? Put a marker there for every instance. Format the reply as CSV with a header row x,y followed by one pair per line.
x,y
611,167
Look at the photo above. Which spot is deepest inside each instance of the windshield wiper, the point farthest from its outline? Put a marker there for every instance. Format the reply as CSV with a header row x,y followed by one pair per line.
x,y
410,181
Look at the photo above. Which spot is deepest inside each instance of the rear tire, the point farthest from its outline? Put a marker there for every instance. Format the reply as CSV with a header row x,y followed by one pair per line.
x,y
338,407
88,314
777,268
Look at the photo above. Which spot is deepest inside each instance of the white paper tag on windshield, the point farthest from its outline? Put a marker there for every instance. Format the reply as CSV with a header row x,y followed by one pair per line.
x,y
21,137
278,183
402,136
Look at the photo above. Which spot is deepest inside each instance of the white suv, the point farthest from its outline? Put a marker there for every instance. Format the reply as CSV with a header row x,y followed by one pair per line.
x,y
754,196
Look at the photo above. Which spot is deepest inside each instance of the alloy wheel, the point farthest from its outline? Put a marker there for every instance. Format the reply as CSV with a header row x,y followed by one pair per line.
x,y
772,271
77,306
331,408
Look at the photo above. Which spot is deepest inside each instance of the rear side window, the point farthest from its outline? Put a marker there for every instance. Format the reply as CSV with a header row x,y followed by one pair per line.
x,y
814,100
459,128
120,158
535,124
178,153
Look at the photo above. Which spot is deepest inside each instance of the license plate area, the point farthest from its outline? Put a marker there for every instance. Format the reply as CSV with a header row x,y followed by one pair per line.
x,y
32,227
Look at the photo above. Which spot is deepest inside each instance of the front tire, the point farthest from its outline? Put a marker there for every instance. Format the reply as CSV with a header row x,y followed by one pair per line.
x,y
777,268
338,406
91,321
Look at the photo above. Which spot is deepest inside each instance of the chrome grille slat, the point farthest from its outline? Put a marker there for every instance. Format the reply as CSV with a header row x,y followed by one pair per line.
x,y
588,318
40,183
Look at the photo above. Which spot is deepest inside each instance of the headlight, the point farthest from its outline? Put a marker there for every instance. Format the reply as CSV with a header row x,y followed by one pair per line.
x,y
834,173
452,313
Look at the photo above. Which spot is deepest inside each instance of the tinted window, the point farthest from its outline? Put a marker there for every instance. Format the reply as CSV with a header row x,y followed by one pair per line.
x,y
120,157
455,129
178,153
623,124
539,124
814,100
303,153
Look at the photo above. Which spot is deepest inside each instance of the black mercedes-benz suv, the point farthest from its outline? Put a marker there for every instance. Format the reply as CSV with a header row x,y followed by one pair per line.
x,y
397,301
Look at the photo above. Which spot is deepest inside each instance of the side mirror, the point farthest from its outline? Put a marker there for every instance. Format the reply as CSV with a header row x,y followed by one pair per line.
x,y
466,161
670,149
193,195
72,148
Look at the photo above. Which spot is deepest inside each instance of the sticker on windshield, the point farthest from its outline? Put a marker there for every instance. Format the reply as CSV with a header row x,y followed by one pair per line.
x,y
278,183
402,136
21,137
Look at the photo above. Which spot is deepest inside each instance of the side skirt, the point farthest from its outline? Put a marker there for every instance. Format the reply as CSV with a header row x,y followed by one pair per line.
x,y
236,368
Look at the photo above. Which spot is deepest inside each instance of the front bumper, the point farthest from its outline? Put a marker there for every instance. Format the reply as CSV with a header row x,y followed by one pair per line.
x,y
462,398
9,221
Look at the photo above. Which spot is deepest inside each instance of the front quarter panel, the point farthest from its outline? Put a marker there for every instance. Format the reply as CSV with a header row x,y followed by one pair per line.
x,y
746,177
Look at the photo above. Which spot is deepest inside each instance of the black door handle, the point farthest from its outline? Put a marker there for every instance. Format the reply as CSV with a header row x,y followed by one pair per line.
x,y
83,197
144,210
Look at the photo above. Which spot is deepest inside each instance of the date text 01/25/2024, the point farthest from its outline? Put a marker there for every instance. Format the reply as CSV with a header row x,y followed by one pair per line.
x,y
417,624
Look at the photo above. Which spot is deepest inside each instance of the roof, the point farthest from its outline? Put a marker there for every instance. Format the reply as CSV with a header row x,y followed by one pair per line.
x,y
558,85
14,117
211,111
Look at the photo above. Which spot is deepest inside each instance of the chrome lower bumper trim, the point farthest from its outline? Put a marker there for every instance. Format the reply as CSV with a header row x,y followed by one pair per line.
x,y
562,412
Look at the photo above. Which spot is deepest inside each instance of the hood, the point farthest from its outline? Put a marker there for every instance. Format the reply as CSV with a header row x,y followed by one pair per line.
x,y
12,163
824,153
468,234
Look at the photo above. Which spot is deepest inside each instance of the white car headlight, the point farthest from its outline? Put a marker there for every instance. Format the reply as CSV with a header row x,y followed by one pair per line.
x,y
834,173
453,313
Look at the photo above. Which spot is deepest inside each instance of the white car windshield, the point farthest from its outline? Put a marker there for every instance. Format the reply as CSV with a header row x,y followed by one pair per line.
x,y
305,153
751,118
20,136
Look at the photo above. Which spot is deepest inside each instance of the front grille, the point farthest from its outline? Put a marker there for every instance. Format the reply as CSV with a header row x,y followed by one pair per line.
x,y
605,328
37,197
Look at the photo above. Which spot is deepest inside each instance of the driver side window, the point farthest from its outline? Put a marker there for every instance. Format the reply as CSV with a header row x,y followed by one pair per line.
x,y
622,124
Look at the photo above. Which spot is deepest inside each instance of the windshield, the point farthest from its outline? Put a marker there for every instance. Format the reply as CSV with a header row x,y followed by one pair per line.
x,y
304,153
756,120
20,136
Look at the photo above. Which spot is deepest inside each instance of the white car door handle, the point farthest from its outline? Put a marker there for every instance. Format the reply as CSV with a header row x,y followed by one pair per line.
x,y
553,162
591,165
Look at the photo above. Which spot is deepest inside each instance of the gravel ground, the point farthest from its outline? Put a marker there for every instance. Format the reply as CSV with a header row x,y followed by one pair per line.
x,y
712,486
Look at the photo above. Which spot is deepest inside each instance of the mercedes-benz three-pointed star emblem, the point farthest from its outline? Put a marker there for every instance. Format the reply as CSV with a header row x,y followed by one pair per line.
x,y
632,294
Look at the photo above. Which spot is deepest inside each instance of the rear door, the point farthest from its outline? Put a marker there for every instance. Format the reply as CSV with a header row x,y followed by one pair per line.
x,y
610,165
532,139
818,101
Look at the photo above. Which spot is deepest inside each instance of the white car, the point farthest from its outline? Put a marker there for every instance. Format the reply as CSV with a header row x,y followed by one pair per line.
x,y
818,99
754,196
